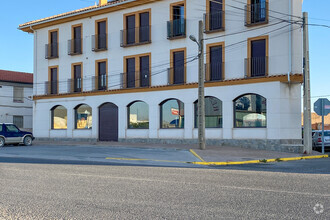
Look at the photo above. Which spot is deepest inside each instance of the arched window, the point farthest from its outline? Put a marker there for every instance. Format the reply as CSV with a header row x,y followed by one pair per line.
x,y
172,114
138,115
83,117
59,117
250,111
213,112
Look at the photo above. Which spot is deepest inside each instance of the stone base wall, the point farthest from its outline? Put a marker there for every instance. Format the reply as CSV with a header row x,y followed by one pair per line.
x,y
288,145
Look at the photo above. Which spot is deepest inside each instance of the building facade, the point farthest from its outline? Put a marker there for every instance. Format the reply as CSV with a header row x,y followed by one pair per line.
x,y
16,91
127,71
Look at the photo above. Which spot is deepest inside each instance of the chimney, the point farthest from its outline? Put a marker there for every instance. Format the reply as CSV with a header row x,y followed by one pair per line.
x,y
103,2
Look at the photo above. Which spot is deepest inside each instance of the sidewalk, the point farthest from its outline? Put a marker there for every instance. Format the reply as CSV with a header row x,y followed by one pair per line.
x,y
211,154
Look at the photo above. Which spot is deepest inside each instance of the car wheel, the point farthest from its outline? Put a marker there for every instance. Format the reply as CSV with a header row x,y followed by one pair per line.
x,y
27,141
2,142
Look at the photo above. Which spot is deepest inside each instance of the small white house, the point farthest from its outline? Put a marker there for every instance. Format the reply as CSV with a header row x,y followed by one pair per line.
x,y
16,91
127,71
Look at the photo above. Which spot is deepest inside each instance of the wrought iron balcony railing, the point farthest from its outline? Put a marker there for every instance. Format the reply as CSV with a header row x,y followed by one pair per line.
x,y
51,87
135,36
214,71
214,21
176,28
100,82
256,13
256,67
51,51
75,85
176,75
99,42
74,46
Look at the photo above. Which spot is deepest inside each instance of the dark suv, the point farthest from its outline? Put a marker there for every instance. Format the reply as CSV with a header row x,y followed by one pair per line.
x,y
10,134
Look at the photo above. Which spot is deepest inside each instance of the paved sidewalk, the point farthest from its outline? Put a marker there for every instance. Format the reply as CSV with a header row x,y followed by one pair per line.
x,y
211,154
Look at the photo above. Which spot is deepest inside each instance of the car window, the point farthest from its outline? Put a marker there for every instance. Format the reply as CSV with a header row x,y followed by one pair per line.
x,y
0,128
12,128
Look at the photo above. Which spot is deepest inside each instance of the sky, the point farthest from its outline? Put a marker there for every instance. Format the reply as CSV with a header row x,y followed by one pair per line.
x,y
16,47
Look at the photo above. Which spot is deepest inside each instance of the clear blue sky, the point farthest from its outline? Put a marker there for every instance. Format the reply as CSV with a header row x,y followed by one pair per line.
x,y
16,47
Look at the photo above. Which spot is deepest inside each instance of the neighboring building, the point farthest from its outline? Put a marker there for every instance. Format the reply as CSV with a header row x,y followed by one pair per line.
x,y
317,121
126,70
16,90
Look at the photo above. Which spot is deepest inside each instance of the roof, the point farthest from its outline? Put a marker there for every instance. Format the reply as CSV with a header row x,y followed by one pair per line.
x,y
86,10
18,77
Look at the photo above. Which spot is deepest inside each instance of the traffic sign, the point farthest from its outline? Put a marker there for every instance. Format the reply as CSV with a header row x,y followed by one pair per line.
x,y
322,104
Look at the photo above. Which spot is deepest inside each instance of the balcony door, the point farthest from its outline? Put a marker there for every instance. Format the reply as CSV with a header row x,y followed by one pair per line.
x,y
144,71
53,43
258,58
215,63
53,80
77,82
102,35
77,40
178,67
130,26
130,75
144,27
102,76
216,8
178,20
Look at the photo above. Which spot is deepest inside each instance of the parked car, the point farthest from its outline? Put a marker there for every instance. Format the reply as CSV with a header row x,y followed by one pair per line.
x,y
317,139
10,134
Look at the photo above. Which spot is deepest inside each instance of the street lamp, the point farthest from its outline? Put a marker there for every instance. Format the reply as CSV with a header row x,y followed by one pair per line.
x,y
201,78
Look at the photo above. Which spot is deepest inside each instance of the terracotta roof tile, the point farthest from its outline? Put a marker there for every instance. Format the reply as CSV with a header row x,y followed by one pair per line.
x,y
71,13
11,76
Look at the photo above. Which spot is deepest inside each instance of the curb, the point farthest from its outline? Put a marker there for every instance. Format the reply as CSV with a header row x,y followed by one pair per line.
x,y
260,161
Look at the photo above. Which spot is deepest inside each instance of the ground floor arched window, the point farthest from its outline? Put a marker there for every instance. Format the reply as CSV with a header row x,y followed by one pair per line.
x,y
250,111
213,112
83,117
59,118
138,115
172,114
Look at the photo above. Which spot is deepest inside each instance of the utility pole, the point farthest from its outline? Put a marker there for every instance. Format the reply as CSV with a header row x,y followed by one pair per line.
x,y
201,97
307,90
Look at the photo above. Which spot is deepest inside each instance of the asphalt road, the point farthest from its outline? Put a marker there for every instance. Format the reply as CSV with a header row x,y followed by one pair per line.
x,y
54,191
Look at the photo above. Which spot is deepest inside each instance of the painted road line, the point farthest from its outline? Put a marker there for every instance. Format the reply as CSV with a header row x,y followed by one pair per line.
x,y
196,155
137,159
260,161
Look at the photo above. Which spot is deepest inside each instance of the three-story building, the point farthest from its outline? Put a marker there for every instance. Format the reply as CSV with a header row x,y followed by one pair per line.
x,y
126,70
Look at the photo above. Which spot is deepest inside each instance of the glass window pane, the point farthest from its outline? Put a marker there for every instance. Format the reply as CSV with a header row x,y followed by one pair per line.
x,y
138,114
250,111
172,114
213,113
59,118
84,116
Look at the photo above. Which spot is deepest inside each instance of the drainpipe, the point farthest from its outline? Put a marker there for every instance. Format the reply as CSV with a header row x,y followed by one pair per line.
x,y
290,42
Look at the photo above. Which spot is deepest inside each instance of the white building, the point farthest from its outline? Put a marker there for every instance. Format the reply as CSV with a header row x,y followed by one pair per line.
x,y
134,57
16,98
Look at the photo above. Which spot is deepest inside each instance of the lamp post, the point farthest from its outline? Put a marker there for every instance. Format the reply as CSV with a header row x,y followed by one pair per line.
x,y
201,79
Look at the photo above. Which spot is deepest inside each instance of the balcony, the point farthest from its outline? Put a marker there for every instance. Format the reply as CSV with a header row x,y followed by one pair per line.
x,y
176,29
100,82
135,36
256,67
176,75
74,46
256,14
75,85
99,42
214,71
51,87
128,80
51,51
214,22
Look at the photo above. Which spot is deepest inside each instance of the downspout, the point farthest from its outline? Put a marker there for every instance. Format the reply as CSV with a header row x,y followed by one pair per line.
x,y
35,75
290,42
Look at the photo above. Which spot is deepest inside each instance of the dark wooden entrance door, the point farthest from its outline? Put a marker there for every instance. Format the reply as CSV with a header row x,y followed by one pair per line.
x,y
108,122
